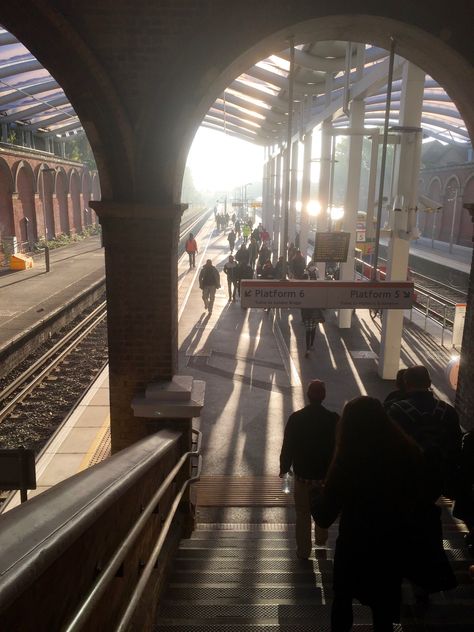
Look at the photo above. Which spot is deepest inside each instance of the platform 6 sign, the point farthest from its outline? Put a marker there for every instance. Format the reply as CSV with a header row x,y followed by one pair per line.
x,y
323,294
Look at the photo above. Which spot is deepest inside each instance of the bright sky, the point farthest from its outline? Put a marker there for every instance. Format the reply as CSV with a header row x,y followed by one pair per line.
x,y
222,162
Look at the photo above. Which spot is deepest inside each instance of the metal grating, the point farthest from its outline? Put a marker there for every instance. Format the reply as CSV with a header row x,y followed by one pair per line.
x,y
237,527
241,491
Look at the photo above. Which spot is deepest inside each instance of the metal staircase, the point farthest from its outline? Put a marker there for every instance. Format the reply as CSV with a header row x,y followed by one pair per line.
x,y
234,578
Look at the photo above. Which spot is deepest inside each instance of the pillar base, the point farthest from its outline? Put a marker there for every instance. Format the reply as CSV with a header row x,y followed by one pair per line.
x,y
182,397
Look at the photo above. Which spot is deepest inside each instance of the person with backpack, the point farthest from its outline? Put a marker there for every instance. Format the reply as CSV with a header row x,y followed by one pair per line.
x,y
231,240
191,248
434,425
231,270
209,282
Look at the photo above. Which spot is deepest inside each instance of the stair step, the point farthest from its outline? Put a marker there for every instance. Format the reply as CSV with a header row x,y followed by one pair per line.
x,y
250,613
315,626
238,593
238,566
269,577
242,554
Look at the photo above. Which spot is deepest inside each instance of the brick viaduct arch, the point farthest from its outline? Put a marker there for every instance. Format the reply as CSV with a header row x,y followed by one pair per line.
x,y
141,130
28,182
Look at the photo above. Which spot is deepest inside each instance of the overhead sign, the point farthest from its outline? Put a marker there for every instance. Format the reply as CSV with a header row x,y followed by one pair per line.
x,y
331,247
326,294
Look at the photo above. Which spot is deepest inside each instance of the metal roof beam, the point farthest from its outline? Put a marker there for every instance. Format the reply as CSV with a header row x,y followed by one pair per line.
x,y
27,113
34,88
238,135
7,38
68,114
25,65
323,64
270,115
63,129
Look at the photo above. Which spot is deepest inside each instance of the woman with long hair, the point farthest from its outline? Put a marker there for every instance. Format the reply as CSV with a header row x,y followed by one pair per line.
x,y
374,484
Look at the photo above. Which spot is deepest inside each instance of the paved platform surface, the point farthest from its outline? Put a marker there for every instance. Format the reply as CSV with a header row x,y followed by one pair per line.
x,y
253,363
27,297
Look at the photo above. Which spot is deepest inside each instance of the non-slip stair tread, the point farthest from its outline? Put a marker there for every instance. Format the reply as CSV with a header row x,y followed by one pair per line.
x,y
304,577
243,594
238,565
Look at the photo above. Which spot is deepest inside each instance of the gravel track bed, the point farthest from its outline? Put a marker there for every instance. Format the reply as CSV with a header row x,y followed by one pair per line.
x,y
33,421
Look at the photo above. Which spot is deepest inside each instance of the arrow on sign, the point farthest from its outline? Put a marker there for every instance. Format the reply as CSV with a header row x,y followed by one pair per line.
x,y
248,293
406,294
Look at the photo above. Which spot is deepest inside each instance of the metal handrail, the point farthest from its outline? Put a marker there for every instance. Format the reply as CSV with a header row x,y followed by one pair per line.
x,y
150,565
88,604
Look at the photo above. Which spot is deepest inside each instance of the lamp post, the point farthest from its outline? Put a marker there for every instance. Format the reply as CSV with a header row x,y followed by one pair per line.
x,y
453,222
46,246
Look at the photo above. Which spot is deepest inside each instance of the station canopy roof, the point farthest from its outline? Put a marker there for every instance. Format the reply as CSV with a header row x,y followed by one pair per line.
x,y
254,107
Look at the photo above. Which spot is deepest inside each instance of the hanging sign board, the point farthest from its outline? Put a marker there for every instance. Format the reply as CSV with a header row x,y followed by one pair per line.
x,y
458,325
326,294
331,247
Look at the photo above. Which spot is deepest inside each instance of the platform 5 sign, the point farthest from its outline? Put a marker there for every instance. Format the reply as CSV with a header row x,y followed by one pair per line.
x,y
323,294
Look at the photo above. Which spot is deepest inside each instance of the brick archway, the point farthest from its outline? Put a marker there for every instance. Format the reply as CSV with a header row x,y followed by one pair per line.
x,y
145,101
7,222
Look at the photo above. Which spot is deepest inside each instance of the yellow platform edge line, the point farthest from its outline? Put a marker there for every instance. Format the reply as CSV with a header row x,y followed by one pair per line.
x,y
94,445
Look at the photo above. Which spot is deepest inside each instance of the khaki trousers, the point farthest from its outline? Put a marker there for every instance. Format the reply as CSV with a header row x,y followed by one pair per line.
x,y
302,496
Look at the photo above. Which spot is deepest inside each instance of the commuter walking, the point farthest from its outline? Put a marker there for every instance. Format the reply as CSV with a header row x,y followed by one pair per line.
x,y
242,254
297,265
434,425
398,394
191,248
311,317
231,240
253,252
209,282
308,446
373,486
237,228
244,272
231,270
246,230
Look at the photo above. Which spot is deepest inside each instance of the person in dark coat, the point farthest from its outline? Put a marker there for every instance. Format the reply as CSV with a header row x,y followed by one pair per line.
x,y
311,317
374,484
242,255
434,425
308,445
298,265
398,394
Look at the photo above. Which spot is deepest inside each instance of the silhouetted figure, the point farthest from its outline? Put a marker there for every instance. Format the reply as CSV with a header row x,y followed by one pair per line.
x,y
374,483
308,446
191,248
209,282
398,394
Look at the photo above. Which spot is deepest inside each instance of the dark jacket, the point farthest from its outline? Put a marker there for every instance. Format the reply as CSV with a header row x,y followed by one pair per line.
x,y
308,442
434,425
242,255
208,277
388,529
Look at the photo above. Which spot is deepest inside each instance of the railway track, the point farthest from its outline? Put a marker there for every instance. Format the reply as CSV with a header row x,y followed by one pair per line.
x,y
46,390
432,297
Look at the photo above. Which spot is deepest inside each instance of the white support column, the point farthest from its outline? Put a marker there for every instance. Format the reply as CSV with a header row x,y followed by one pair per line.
x,y
351,203
404,219
306,191
265,184
324,183
269,210
277,205
293,192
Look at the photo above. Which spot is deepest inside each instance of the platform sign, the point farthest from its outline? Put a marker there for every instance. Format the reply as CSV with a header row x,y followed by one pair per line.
x,y
331,247
326,294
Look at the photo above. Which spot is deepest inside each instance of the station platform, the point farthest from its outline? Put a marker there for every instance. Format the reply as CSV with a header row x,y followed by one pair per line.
x,y
255,369
29,297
